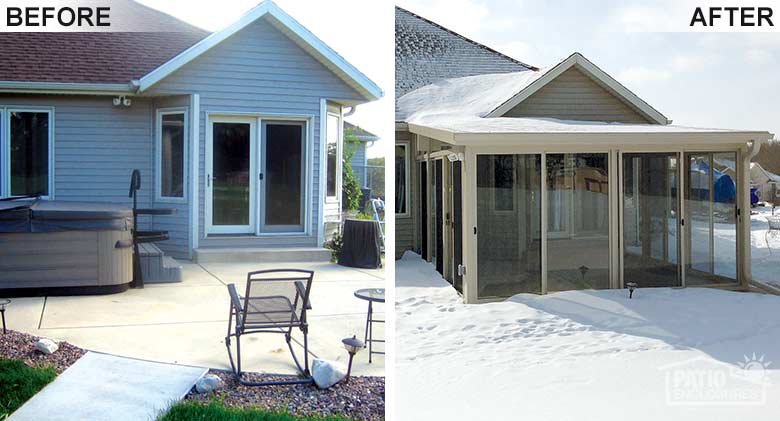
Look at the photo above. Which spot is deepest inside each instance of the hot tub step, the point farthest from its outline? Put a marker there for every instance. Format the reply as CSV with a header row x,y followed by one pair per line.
x,y
157,268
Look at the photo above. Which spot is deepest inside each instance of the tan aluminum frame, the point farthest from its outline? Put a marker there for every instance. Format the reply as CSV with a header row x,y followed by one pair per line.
x,y
615,144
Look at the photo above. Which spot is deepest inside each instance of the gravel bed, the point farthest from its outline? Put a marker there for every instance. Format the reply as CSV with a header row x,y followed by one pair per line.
x,y
22,346
362,398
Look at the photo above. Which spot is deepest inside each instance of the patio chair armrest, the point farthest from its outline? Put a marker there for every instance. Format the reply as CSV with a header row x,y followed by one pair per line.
x,y
234,300
302,293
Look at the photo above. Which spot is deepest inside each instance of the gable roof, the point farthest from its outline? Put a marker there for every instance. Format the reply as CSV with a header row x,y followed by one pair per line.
x,y
96,57
594,72
426,52
493,95
360,133
131,62
290,27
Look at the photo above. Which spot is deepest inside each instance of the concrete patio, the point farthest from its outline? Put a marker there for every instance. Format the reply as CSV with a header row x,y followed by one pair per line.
x,y
186,323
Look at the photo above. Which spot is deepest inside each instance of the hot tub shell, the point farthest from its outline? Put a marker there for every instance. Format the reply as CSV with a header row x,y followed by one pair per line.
x,y
69,247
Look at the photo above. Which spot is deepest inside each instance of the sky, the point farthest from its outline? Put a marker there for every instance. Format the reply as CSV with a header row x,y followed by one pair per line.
x,y
360,31
721,80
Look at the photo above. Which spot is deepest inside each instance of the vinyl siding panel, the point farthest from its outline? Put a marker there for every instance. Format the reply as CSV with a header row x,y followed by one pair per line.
x,y
405,226
96,148
259,70
359,163
575,96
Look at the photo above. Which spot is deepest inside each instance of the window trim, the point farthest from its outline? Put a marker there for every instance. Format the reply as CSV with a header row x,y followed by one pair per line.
x,y
339,158
407,182
5,146
160,112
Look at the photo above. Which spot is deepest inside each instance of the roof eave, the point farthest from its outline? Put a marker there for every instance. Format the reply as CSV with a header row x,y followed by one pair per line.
x,y
594,139
70,88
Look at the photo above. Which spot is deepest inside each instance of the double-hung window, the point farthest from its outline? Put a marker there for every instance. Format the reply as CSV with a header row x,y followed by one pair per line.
x,y
333,164
402,179
25,152
171,154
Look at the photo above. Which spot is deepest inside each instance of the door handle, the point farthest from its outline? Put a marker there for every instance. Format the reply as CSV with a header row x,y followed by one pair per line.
x,y
261,176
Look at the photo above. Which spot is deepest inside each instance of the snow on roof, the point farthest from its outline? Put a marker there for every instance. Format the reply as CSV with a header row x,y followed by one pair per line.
x,y
465,96
460,105
770,175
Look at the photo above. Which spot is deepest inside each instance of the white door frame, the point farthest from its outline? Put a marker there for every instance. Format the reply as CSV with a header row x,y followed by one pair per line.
x,y
209,205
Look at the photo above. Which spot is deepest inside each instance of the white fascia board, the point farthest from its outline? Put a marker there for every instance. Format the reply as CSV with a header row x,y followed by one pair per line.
x,y
687,140
324,53
593,71
66,88
434,133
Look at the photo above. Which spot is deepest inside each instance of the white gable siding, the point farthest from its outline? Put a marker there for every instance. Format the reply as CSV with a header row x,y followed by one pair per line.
x,y
259,70
575,96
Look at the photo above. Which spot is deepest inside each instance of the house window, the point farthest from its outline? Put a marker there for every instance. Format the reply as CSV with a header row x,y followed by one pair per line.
x,y
172,135
28,151
402,179
332,165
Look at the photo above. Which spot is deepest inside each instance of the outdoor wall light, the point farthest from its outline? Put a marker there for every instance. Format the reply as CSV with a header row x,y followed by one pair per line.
x,y
3,303
353,345
455,157
631,287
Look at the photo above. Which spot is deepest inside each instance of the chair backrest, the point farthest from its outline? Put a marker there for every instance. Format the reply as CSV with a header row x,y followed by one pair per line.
x,y
293,285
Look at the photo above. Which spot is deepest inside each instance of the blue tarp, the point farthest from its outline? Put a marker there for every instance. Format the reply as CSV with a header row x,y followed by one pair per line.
x,y
724,188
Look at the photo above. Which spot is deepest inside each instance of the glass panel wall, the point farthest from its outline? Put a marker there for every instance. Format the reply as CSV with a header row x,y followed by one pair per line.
x,y
509,222
710,207
577,221
650,219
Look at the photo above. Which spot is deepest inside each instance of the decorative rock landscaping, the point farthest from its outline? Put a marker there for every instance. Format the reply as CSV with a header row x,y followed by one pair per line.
x,y
362,398
23,346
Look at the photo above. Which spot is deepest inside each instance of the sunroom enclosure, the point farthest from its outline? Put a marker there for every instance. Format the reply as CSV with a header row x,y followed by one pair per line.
x,y
502,220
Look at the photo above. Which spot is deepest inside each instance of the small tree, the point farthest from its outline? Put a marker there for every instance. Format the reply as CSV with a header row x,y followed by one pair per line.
x,y
350,185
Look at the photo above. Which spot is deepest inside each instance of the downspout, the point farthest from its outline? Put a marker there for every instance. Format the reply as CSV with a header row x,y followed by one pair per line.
x,y
352,110
754,146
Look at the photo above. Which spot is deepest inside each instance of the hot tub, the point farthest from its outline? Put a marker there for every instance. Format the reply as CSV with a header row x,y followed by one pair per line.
x,y
57,247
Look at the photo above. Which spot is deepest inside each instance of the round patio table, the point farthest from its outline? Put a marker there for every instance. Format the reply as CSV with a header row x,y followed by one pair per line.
x,y
372,295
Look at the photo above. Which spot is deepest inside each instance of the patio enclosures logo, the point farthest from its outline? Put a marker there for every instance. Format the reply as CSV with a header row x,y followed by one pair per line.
x,y
77,16
702,381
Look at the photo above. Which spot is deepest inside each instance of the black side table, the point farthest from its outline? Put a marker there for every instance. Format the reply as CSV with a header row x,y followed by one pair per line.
x,y
372,295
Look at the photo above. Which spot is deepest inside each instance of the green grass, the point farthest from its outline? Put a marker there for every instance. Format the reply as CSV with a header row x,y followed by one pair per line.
x,y
18,383
216,411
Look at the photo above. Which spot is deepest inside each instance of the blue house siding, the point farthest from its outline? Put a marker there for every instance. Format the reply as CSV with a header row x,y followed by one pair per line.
x,y
97,146
259,70
359,163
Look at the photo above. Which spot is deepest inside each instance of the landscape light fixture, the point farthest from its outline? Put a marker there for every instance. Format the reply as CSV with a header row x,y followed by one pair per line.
x,y
3,302
631,287
353,345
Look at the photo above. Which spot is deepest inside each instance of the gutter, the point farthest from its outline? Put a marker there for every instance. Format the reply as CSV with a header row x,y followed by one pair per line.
x,y
66,88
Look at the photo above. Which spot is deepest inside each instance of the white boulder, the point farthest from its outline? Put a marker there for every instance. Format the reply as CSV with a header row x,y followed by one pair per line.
x,y
327,373
46,346
208,383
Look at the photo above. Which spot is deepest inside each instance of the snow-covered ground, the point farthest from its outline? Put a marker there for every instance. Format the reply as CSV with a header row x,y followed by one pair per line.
x,y
766,262
578,355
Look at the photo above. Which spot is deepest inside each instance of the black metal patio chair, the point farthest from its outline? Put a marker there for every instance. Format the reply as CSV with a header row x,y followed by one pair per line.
x,y
275,301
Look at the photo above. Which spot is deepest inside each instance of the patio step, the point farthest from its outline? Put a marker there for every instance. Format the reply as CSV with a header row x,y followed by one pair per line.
x,y
156,267
261,254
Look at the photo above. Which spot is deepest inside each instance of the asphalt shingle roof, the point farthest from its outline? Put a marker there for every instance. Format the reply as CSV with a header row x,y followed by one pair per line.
x,y
426,52
96,57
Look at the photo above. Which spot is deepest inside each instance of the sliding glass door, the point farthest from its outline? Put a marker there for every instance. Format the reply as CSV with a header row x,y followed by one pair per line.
x,y
651,219
509,258
577,221
282,177
231,181
711,215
